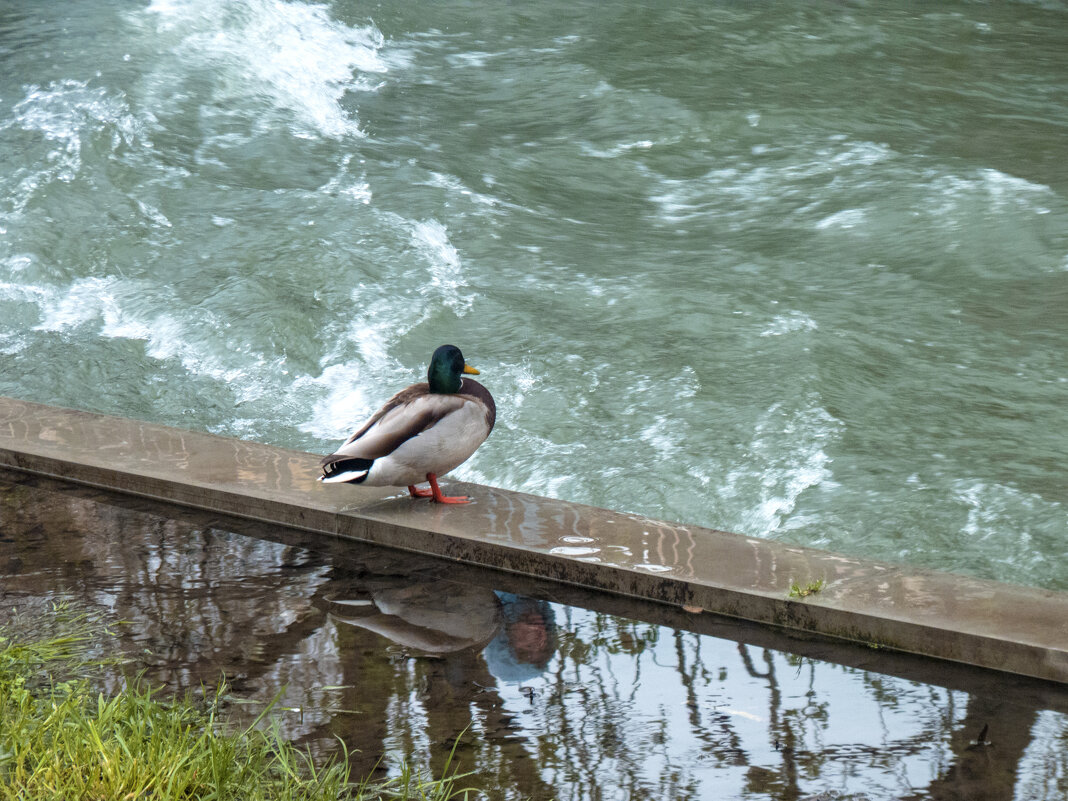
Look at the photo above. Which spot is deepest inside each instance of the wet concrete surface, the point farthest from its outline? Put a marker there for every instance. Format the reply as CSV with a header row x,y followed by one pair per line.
x,y
988,624
553,691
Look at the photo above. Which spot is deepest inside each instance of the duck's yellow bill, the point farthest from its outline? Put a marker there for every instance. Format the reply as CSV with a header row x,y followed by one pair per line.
x,y
471,370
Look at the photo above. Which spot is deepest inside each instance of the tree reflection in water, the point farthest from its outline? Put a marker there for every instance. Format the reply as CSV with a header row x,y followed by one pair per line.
x,y
399,655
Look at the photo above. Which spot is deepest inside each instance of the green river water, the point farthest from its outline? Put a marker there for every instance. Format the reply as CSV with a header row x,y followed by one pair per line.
x,y
794,271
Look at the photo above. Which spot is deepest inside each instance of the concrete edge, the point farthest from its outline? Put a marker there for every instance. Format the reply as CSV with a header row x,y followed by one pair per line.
x,y
986,624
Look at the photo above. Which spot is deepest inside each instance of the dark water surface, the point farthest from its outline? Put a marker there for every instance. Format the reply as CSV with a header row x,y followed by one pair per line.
x,y
793,270
399,655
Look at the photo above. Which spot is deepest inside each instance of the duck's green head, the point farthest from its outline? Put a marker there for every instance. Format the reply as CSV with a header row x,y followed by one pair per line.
x,y
447,365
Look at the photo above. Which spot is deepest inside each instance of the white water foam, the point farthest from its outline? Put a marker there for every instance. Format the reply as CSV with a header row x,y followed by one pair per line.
x,y
359,358
622,148
85,300
538,465
102,301
785,457
11,343
446,271
667,435
664,437
455,185
1000,191
66,113
846,218
736,190
23,293
341,405
360,355
788,323
295,54
1004,521
348,185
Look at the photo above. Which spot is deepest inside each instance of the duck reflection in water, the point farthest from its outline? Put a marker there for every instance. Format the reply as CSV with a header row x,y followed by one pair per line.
x,y
433,618
441,618
527,641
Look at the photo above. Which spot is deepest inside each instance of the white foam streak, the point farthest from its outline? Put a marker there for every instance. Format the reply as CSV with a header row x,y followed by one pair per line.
x,y
846,218
997,190
100,301
339,401
789,323
620,149
664,438
84,300
11,343
993,508
346,184
295,54
446,271
23,293
342,405
737,189
785,457
66,113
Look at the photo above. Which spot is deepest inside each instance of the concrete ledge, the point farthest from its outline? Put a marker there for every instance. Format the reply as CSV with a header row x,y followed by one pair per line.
x,y
1003,627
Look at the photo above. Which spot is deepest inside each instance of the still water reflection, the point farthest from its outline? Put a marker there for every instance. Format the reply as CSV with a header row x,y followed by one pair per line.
x,y
398,656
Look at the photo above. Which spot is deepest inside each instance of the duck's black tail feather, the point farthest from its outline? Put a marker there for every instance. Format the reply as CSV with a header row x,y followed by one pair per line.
x,y
345,469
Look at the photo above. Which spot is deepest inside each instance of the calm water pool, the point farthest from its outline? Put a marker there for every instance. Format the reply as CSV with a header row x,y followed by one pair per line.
x,y
399,656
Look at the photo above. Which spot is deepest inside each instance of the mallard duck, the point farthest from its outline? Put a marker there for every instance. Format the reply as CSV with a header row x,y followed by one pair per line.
x,y
421,433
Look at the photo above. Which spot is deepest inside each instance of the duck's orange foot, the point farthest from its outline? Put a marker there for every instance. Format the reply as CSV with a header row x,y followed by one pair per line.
x,y
419,493
437,497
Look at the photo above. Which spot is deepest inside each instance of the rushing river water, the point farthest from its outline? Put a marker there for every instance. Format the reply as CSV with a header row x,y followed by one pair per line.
x,y
792,271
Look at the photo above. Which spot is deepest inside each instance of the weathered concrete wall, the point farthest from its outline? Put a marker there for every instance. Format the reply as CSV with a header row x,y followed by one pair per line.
x,y
987,624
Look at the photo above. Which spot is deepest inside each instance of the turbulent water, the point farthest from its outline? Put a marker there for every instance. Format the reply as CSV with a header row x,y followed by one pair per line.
x,y
793,271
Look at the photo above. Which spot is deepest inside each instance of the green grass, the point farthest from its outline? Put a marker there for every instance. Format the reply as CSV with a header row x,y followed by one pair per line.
x,y
62,739
803,591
